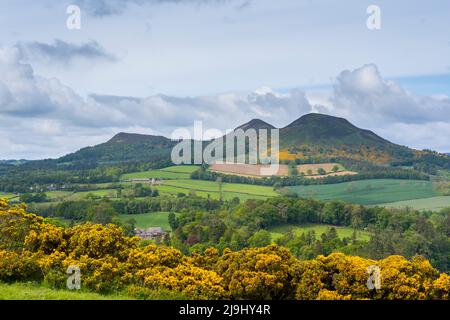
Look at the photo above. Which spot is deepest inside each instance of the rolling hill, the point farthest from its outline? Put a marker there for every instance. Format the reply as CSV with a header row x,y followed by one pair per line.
x,y
310,137
123,147
318,135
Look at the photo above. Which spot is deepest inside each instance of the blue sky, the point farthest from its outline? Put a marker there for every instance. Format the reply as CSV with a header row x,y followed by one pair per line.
x,y
165,59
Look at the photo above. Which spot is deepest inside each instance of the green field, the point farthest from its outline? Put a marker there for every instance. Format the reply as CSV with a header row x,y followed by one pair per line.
x,y
211,188
342,232
7,195
174,172
28,291
181,169
147,220
366,192
434,203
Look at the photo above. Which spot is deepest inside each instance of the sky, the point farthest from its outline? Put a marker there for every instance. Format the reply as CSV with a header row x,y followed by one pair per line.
x,y
157,65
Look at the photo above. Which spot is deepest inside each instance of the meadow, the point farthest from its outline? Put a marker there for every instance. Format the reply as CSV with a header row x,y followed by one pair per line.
x,y
367,192
147,220
173,172
343,232
433,204
7,195
211,189
74,196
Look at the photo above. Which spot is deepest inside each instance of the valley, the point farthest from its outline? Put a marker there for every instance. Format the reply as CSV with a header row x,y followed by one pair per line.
x,y
340,191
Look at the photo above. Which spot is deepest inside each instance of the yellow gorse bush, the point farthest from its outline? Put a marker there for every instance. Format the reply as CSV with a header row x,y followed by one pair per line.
x,y
31,249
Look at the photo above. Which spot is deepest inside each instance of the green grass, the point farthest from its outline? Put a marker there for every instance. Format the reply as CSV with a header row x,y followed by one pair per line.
x,y
29,291
174,172
434,203
147,220
367,192
342,232
156,174
211,188
181,169
58,195
8,195
97,193
444,173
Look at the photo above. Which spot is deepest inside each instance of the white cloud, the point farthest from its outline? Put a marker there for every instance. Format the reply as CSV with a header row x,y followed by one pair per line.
x,y
366,99
63,52
41,117
364,95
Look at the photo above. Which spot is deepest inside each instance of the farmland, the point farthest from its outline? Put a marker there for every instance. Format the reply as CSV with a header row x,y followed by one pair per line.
x,y
367,192
174,172
308,170
205,188
343,232
434,203
7,195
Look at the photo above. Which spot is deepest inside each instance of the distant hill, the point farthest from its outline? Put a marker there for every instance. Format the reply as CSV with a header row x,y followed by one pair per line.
x,y
13,162
318,135
256,124
123,147
311,137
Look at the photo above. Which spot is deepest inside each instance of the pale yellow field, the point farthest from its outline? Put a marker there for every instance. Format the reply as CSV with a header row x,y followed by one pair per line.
x,y
250,170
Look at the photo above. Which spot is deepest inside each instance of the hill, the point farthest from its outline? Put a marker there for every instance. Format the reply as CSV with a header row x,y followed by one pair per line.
x,y
311,138
323,136
256,124
123,147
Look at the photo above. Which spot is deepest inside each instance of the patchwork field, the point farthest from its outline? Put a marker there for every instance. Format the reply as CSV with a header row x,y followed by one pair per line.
x,y
147,220
309,170
376,191
343,232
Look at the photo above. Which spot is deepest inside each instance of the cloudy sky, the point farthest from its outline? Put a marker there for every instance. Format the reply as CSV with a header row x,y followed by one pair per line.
x,y
151,66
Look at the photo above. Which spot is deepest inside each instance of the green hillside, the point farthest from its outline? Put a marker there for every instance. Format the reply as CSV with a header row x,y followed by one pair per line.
x,y
376,191
327,136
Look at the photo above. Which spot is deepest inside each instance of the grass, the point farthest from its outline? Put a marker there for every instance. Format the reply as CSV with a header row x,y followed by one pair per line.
x,y
147,220
169,173
35,291
342,232
98,193
31,291
367,192
156,174
444,173
434,203
181,169
171,190
211,188
58,195
7,195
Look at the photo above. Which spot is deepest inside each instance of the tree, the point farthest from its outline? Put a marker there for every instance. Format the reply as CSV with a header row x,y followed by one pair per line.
x,y
260,238
321,171
173,222
102,213
292,171
335,168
